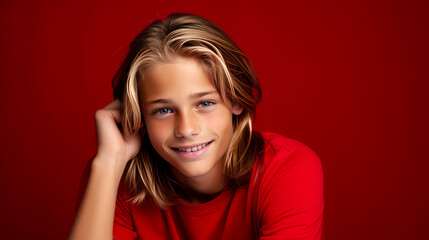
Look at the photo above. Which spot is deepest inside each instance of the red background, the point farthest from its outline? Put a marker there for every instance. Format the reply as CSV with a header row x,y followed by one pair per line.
x,y
350,80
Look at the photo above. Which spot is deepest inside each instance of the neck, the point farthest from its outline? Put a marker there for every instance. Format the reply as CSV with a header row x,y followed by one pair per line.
x,y
201,189
192,196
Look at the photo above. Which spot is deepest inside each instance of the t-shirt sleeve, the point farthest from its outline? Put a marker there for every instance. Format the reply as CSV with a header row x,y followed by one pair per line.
x,y
123,225
291,197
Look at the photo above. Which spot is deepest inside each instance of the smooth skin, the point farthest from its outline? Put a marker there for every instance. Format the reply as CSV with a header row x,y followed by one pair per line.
x,y
181,108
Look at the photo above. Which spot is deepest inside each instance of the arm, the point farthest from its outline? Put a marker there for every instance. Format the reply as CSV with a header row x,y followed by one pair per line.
x,y
94,219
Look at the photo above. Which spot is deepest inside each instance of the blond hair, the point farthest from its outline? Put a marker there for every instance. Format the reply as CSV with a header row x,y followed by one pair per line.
x,y
187,35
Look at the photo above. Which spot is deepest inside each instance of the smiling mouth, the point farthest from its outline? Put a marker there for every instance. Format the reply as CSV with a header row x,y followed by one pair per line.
x,y
194,148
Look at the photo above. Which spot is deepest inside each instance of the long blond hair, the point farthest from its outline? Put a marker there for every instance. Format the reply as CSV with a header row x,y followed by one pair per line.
x,y
187,35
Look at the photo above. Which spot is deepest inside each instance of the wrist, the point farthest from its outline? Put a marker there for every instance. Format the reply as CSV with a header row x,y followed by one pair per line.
x,y
111,167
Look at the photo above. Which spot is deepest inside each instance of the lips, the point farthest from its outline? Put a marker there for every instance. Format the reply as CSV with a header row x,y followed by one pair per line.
x,y
192,148
193,151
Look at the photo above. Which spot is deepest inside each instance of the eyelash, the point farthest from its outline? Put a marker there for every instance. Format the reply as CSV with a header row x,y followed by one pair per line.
x,y
158,111
208,104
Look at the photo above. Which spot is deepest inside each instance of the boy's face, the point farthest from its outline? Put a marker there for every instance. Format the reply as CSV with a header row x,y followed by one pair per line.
x,y
188,123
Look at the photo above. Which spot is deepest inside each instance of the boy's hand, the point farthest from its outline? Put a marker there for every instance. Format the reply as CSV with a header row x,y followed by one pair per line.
x,y
113,146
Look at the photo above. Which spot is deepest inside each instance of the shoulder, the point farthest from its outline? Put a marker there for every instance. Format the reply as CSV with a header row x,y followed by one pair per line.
x,y
281,150
290,195
281,141
290,169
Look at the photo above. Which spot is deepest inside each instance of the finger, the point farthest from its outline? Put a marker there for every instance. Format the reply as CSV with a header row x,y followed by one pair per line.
x,y
108,113
115,104
116,115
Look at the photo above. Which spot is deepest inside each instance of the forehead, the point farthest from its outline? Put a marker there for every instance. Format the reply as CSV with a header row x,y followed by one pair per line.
x,y
182,77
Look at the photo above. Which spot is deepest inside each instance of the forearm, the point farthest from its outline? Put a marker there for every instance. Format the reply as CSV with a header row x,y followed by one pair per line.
x,y
94,219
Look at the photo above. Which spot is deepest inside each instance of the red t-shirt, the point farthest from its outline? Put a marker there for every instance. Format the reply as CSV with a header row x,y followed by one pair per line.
x,y
285,202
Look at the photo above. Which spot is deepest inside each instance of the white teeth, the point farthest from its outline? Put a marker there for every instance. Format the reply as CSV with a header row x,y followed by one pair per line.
x,y
193,149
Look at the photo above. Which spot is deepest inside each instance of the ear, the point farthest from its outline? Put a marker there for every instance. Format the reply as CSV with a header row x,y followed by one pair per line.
x,y
142,130
236,109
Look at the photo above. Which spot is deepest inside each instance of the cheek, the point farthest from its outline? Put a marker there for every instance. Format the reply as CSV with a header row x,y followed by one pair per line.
x,y
220,122
158,132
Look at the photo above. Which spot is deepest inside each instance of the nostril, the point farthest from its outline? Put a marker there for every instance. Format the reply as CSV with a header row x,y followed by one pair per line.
x,y
187,127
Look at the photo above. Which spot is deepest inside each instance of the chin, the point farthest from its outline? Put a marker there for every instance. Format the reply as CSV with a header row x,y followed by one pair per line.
x,y
194,173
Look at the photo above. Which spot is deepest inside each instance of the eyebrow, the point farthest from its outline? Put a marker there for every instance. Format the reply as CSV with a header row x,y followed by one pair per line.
x,y
193,96
202,94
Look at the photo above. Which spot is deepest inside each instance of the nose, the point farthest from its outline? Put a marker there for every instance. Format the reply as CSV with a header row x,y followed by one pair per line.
x,y
187,125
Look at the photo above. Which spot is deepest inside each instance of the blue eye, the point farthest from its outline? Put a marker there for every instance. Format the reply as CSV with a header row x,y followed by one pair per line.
x,y
205,104
163,111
